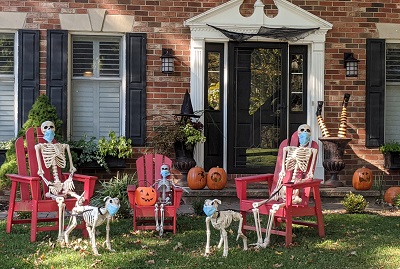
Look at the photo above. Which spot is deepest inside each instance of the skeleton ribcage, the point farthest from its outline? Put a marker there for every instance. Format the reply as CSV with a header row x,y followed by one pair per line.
x,y
297,157
89,216
54,154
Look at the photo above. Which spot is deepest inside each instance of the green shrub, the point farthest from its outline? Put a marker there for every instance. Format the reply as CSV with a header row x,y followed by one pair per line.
x,y
116,187
354,203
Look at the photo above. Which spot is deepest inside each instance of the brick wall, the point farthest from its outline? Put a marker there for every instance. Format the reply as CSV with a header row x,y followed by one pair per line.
x,y
353,22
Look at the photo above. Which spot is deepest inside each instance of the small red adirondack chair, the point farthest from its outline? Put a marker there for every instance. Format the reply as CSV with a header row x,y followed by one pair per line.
x,y
28,189
148,171
289,212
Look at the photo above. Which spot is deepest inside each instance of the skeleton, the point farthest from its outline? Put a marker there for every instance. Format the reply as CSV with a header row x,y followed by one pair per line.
x,y
53,156
164,188
93,217
221,220
296,159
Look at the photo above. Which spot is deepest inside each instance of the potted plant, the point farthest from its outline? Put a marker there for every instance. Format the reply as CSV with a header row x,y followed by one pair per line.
x,y
391,151
180,133
115,149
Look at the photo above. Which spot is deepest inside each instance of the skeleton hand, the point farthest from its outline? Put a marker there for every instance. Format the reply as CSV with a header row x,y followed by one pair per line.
x,y
256,205
69,184
310,175
72,170
282,174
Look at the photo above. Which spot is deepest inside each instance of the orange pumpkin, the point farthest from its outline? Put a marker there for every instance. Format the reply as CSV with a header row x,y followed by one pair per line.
x,y
196,178
216,178
145,196
390,194
362,179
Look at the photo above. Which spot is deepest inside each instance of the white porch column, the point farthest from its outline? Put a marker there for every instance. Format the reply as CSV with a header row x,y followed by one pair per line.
x,y
316,93
197,48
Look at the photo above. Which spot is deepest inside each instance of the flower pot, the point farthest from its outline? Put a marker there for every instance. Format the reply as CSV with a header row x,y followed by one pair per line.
x,y
392,160
183,161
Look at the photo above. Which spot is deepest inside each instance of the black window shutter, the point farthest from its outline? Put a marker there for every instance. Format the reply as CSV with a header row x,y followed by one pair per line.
x,y
56,73
136,88
375,93
28,72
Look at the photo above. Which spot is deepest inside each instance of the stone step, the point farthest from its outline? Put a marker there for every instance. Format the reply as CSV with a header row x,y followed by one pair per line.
x,y
229,194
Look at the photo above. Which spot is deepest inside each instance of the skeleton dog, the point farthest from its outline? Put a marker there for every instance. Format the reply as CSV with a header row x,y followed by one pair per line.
x,y
221,220
94,217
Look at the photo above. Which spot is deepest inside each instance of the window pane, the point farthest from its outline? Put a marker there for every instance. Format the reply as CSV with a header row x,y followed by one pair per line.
x,y
82,58
109,58
6,54
213,80
296,83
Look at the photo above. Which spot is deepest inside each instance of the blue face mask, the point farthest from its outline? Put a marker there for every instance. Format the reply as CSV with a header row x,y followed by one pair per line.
x,y
112,209
304,138
209,210
49,135
165,173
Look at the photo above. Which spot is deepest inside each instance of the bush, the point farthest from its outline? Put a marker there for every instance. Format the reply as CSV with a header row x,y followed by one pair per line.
x,y
116,187
354,203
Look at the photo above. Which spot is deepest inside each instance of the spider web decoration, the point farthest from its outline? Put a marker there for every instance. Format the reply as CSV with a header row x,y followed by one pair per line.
x,y
282,33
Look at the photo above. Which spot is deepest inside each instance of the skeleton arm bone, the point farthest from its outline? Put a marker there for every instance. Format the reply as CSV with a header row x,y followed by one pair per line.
x,y
72,168
39,161
310,174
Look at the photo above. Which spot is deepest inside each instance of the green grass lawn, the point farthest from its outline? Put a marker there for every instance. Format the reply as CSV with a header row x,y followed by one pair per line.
x,y
352,241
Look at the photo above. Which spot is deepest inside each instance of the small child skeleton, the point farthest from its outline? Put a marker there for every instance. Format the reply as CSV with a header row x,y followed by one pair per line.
x,y
164,188
53,155
93,217
296,159
221,220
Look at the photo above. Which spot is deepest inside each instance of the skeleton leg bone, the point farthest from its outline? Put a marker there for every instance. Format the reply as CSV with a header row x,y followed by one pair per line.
x,y
61,209
208,232
271,218
156,216
257,221
108,242
224,239
162,220
240,233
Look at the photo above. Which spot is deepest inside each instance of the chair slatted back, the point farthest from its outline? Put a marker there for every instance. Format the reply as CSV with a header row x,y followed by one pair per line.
x,y
149,168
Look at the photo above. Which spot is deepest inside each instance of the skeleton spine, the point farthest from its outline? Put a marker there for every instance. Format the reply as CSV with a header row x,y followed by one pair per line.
x,y
343,117
321,123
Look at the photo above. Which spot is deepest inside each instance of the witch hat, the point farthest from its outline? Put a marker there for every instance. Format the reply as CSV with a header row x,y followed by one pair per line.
x,y
187,108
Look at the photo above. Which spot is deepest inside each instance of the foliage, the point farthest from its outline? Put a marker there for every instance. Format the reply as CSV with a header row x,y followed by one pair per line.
x,y
170,131
391,146
89,150
116,146
41,111
354,203
397,201
356,241
6,144
197,205
116,187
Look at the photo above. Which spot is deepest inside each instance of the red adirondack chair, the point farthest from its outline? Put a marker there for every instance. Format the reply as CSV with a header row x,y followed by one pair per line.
x,y
148,171
290,211
28,189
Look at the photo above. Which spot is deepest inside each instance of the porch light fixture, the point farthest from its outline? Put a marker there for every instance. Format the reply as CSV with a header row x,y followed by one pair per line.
x,y
167,61
351,64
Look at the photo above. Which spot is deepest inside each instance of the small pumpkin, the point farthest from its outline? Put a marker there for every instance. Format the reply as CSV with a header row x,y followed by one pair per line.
x,y
362,179
145,196
216,178
390,195
196,178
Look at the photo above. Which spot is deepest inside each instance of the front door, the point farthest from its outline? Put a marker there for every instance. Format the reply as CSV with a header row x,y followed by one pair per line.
x,y
266,102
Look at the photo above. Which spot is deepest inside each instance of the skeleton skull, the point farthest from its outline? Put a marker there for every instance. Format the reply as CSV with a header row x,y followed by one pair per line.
x,y
165,170
304,133
46,126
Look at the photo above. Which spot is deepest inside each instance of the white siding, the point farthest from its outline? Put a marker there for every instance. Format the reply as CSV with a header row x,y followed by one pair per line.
x,y
96,108
7,110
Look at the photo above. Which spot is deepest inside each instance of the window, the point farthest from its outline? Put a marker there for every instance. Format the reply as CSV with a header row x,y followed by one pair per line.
x,y
7,93
392,109
96,87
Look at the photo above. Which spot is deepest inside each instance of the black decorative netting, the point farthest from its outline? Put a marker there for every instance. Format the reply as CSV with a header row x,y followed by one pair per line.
x,y
282,33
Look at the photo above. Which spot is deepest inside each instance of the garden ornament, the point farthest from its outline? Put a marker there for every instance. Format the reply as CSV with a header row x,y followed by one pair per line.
x,y
321,122
53,155
343,117
93,217
296,159
164,186
221,220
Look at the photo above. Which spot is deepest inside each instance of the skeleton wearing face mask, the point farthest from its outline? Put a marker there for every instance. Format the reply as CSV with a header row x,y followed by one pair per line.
x,y
296,159
53,155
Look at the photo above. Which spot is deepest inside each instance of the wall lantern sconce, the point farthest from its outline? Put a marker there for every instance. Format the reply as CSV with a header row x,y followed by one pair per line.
x,y
167,61
351,64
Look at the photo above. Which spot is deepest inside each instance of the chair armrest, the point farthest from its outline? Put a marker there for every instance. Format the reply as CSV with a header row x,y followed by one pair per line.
x,y
131,194
241,183
89,183
177,197
23,179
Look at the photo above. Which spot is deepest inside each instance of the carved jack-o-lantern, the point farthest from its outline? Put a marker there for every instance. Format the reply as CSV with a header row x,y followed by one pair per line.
x,y
216,178
362,179
145,196
196,178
